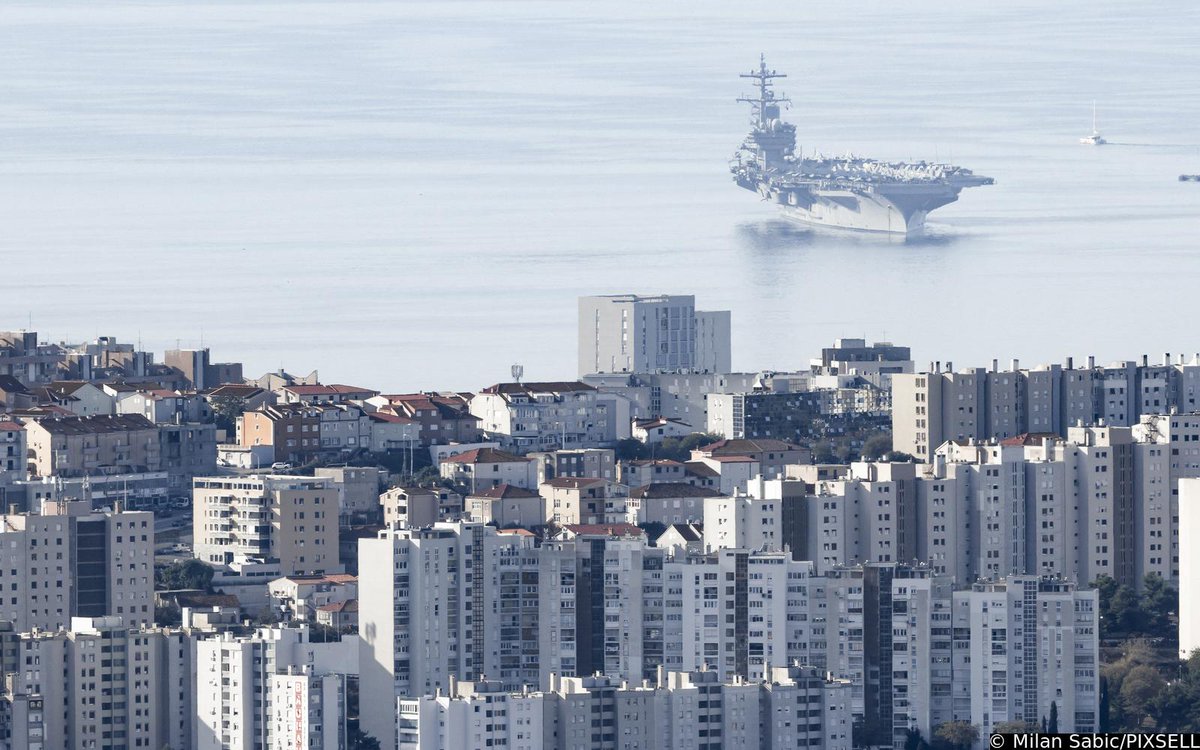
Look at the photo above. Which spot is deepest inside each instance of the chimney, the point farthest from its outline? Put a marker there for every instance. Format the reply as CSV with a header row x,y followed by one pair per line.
x,y
1016,365
1070,363
1145,360
995,365
1091,362
1167,359
949,366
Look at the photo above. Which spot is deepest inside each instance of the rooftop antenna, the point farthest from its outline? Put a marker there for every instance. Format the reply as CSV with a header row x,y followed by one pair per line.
x,y
518,371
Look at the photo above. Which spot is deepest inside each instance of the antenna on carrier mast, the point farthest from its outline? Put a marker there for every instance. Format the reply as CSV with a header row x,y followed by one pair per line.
x,y
766,106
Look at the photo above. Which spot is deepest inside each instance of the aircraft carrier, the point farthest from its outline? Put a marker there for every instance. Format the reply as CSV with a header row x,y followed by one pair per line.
x,y
842,193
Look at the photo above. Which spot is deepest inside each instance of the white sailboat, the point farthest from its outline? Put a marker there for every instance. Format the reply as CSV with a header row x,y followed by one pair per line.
x,y
1095,139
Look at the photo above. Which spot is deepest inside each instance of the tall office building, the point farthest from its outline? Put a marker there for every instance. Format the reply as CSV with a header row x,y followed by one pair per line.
x,y
628,333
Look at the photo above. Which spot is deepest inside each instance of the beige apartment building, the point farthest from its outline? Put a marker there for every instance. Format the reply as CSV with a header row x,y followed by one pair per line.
x,y
79,446
290,519
420,506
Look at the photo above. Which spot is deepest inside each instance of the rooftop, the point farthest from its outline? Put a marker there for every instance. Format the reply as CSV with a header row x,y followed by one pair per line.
x,y
505,491
326,390
574,483
605,529
741,447
350,605
485,456
96,425
662,490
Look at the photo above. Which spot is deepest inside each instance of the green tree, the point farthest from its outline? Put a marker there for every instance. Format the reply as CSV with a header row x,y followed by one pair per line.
x,y
630,449
914,741
1139,691
226,410
1052,726
1014,727
957,734
1158,603
822,451
360,740
186,574
877,446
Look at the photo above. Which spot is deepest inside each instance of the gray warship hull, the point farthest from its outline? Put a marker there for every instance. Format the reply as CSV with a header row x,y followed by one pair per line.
x,y
899,212
847,192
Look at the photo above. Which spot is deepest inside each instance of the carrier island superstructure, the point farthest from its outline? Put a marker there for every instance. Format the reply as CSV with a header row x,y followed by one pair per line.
x,y
844,193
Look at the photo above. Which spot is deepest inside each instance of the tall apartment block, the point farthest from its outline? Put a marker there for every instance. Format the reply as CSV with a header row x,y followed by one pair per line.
x,y
248,687
308,710
1102,501
99,684
448,602
293,520
597,591
74,562
677,711
942,404
1000,651
628,333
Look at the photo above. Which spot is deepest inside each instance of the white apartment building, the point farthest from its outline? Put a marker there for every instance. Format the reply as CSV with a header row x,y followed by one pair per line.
x,y
506,506
420,506
652,334
308,710
235,698
676,711
12,451
743,522
482,714
73,562
601,601
290,519
584,500
481,469
526,417
942,404
668,502
451,601
1189,563
99,684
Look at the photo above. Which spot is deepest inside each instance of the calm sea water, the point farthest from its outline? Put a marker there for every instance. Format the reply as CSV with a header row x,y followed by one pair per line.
x,y
412,195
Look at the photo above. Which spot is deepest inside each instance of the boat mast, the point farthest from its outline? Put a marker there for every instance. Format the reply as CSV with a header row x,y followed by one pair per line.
x,y
766,97
771,141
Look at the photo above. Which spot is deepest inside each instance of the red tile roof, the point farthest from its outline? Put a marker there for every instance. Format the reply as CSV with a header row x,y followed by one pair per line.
x,y
662,490
526,389
659,422
350,605
605,529
742,447
7,426
505,491
575,482
485,456
1028,438
379,416
317,389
